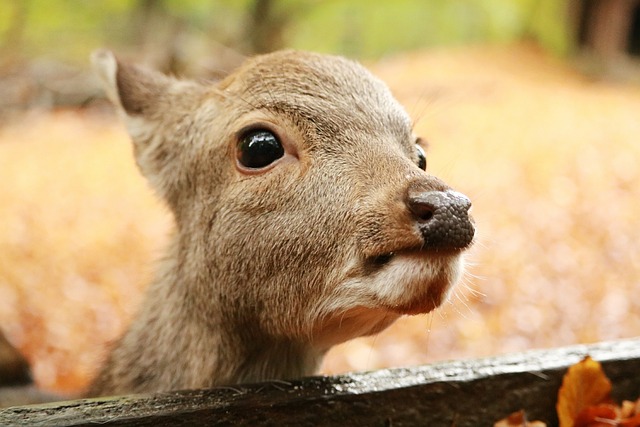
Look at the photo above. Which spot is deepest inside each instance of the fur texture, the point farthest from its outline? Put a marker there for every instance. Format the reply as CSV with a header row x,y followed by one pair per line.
x,y
270,268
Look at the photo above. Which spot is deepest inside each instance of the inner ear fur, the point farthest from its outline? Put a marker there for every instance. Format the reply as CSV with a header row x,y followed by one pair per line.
x,y
134,89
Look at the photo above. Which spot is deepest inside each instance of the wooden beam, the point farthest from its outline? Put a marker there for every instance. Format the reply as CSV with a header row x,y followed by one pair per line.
x,y
461,393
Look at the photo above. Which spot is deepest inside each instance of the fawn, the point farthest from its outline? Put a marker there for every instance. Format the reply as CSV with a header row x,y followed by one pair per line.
x,y
304,218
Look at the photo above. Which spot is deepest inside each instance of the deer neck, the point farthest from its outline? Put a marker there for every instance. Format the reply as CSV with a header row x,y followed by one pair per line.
x,y
188,335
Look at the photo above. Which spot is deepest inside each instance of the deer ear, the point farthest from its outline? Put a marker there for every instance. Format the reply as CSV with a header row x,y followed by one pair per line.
x,y
147,100
135,90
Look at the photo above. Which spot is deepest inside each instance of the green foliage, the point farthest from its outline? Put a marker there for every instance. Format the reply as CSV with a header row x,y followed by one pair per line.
x,y
549,25
365,28
68,29
372,28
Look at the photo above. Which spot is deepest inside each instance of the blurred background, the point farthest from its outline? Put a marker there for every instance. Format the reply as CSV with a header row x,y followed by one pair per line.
x,y
530,107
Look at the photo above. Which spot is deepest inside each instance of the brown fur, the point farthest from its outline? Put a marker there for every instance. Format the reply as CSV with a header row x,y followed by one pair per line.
x,y
268,269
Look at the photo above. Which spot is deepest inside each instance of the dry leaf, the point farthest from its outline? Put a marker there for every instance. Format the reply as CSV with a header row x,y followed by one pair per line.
x,y
630,414
518,419
630,422
629,409
584,401
603,415
584,385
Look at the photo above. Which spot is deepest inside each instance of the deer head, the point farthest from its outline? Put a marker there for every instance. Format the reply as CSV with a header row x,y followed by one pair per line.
x,y
304,217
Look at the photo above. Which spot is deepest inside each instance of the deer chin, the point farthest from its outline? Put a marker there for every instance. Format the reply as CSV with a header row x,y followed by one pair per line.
x,y
415,282
409,281
405,283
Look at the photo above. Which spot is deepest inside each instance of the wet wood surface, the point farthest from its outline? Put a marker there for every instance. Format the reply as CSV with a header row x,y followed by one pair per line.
x,y
461,393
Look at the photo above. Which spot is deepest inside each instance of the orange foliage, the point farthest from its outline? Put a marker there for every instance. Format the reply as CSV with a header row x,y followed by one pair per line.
x,y
584,390
584,401
550,160
518,419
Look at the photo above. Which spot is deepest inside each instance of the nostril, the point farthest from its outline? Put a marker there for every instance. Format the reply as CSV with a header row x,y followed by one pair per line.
x,y
421,210
442,218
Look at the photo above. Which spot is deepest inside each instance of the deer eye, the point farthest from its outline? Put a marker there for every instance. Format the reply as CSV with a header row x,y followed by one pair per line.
x,y
259,148
422,158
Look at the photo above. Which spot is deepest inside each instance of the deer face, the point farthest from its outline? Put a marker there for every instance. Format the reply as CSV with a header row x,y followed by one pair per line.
x,y
300,195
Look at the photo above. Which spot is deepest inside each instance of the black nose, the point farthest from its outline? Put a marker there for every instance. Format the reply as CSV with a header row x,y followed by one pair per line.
x,y
442,218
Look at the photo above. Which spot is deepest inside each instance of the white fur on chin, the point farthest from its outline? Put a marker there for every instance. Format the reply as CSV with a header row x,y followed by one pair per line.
x,y
409,277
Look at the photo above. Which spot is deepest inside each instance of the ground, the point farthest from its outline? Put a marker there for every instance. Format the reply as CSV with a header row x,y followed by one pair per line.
x,y
550,159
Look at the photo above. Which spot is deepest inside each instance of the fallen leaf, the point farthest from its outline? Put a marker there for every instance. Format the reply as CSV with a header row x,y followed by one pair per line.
x,y
584,385
633,421
629,408
603,415
518,419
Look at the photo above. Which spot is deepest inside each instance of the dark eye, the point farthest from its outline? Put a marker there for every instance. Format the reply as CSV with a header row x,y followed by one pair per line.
x,y
259,148
422,158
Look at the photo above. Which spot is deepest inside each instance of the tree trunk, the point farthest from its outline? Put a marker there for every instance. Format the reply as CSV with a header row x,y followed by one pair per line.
x,y
266,27
608,27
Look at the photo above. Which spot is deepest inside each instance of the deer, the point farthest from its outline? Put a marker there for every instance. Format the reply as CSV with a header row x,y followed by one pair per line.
x,y
304,217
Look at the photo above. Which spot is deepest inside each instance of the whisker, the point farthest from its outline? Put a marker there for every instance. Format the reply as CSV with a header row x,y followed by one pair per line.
x,y
429,326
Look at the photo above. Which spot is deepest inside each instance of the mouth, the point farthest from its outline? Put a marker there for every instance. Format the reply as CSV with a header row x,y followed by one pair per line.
x,y
383,287
377,262
380,261
412,281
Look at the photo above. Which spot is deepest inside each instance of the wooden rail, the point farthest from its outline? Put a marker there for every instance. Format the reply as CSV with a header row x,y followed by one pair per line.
x,y
460,393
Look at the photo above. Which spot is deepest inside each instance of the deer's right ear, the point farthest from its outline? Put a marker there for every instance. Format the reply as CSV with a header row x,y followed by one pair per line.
x,y
136,91
147,99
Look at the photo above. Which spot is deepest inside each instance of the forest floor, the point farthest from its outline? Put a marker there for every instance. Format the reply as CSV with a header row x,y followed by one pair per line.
x,y
550,159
